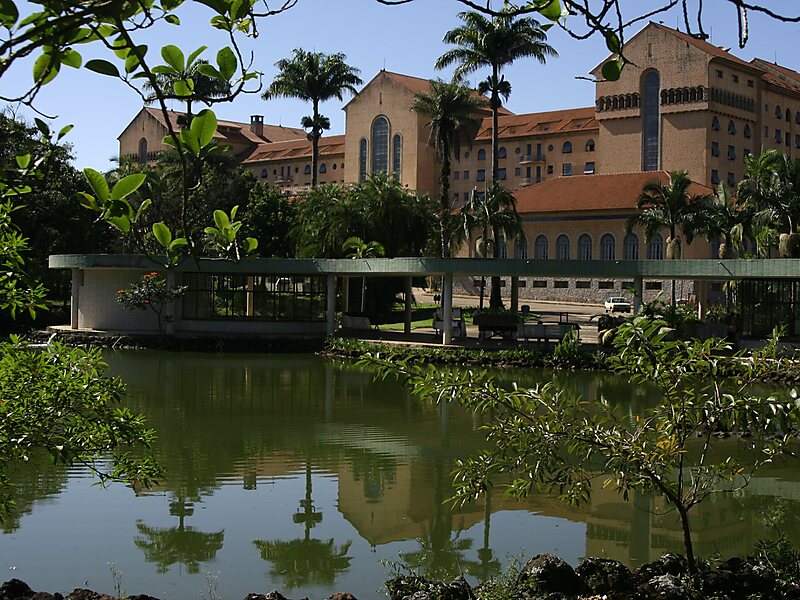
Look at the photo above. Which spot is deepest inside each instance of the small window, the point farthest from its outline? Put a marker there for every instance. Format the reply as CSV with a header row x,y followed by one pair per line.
x,y
334,166
788,116
549,169
766,131
605,285
714,148
517,150
466,155
655,249
307,170
797,141
585,247
788,138
588,168
715,124
481,154
731,180
652,285
583,285
456,175
714,176
719,74
608,247
778,112
731,127
566,169
297,169
750,83
501,174
562,247
517,172
466,175
746,152
501,152
274,171
731,153
264,173
481,176
590,146
541,248
539,283
735,78
797,117
778,136
323,168
566,148
747,133
766,107
550,147
560,284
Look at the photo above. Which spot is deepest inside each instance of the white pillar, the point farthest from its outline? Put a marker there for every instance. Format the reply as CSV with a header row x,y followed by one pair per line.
x,y
407,316
331,305
638,291
77,280
447,315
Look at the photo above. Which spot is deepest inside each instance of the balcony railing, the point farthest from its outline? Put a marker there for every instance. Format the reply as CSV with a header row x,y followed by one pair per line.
x,y
525,181
531,158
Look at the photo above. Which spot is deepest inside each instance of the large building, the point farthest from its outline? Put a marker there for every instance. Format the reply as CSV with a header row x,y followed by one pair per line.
x,y
681,104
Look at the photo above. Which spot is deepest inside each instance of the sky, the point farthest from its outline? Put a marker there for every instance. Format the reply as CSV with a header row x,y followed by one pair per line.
x,y
404,39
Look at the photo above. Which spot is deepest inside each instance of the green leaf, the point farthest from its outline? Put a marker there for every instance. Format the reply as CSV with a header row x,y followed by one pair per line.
x,y
31,18
181,88
170,141
142,207
550,9
71,58
98,184
204,126
45,69
221,219
122,223
178,243
173,56
23,160
127,185
612,41
612,70
210,71
190,140
220,6
227,63
88,201
172,19
162,234
195,54
250,245
8,13
64,131
170,4
163,70
131,63
102,66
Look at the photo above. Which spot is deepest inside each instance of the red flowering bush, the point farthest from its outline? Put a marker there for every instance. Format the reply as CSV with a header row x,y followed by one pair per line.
x,y
151,292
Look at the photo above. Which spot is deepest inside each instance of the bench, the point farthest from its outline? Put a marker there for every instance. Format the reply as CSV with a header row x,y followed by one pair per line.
x,y
356,323
490,325
545,332
456,322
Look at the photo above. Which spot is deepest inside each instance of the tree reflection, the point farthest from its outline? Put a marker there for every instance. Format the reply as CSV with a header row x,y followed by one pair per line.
x,y
178,545
305,561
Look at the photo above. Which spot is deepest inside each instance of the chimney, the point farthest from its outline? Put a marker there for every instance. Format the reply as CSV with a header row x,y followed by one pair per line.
x,y
257,125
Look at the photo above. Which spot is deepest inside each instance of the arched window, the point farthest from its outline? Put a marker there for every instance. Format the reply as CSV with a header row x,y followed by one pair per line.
x,y
264,173
608,247
651,118
362,160
481,154
397,155
521,247
778,112
501,152
307,170
323,168
590,146
788,116
630,247
655,249
715,124
562,247
585,247
731,127
143,151
502,248
566,148
380,145
747,133
541,248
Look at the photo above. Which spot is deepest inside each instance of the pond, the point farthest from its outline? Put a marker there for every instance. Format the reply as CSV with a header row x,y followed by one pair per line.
x,y
302,474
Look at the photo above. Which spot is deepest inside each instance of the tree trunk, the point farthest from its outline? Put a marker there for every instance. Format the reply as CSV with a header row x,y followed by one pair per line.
x,y
687,541
444,199
495,300
315,146
789,245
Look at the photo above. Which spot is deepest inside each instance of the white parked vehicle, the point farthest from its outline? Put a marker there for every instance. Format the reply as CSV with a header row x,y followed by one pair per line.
x,y
617,304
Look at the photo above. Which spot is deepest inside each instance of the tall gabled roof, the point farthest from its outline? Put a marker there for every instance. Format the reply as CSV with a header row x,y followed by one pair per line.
x,y
332,145
589,193
779,75
542,123
705,46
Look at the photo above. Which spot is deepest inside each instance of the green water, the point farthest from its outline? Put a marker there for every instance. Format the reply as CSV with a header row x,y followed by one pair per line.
x,y
301,474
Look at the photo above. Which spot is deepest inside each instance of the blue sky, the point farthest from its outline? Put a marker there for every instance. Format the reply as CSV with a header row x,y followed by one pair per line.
x,y
405,39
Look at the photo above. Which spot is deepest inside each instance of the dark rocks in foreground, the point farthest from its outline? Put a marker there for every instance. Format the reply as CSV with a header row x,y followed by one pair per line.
x,y
546,577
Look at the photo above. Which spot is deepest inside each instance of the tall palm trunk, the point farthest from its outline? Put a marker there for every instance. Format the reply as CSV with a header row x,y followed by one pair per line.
x,y
444,199
315,135
495,301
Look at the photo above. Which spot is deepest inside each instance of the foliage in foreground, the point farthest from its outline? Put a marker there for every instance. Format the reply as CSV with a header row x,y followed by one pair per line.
x,y
544,439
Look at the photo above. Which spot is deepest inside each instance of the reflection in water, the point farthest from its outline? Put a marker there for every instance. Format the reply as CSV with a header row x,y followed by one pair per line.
x,y
241,436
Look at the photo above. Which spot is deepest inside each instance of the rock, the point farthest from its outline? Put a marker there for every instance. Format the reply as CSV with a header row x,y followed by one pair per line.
x,y
342,596
46,596
665,587
15,589
718,581
273,595
668,564
84,594
419,588
605,576
548,573
142,597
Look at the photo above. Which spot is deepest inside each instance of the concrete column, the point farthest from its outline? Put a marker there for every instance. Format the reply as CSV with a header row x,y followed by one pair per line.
x,y
702,298
638,291
514,294
345,294
447,314
407,316
250,301
77,281
330,313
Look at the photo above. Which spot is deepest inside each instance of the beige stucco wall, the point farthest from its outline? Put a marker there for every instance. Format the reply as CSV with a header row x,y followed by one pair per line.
x,y
270,171
142,126
98,307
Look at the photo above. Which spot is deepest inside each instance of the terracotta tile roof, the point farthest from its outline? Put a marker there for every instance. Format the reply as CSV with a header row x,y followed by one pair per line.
x,y
587,193
332,145
778,75
543,123
705,46
235,132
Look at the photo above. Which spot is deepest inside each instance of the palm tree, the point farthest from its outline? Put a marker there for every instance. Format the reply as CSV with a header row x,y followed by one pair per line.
x,y
721,217
494,43
314,77
494,211
452,109
356,248
668,206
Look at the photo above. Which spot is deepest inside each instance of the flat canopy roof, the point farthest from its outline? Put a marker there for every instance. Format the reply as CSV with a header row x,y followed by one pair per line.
x,y
781,268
